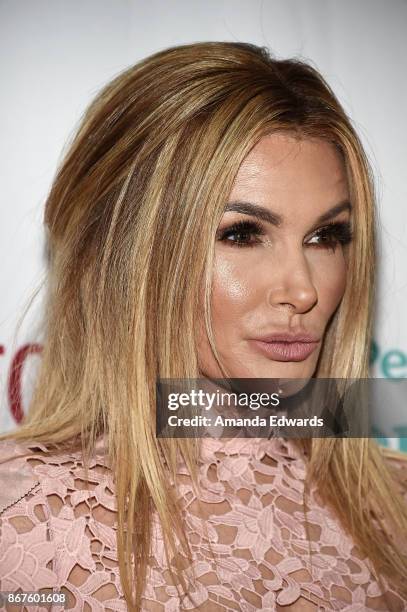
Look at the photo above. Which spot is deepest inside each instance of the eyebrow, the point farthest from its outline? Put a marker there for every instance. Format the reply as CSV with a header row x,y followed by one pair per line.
x,y
265,214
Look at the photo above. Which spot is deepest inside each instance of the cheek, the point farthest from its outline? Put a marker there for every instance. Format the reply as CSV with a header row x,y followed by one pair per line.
x,y
231,301
329,277
233,290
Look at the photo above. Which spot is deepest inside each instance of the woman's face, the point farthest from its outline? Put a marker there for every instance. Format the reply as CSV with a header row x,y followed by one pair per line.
x,y
280,273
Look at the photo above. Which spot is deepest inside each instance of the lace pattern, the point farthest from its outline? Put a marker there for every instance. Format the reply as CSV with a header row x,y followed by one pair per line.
x,y
250,552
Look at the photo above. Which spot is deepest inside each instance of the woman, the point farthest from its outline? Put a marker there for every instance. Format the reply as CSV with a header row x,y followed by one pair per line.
x,y
213,217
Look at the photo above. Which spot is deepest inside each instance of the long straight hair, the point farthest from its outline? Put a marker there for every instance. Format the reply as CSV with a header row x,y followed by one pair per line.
x,y
131,220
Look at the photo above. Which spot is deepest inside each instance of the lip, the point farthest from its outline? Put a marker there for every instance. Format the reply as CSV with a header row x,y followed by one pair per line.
x,y
286,346
288,337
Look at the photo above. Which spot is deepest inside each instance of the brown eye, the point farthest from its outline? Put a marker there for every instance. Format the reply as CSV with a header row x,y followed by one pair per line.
x,y
329,236
242,233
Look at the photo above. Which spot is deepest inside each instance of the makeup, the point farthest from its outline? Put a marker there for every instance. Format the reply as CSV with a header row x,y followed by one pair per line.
x,y
285,351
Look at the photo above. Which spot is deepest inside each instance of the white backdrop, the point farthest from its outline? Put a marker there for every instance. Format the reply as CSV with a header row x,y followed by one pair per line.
x,y
56,55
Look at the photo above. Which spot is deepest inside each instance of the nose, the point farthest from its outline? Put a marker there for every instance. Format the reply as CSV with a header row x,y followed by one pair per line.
x,y
291,285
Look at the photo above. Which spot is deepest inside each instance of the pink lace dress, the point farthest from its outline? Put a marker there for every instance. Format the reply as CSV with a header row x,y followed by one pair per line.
x,y
251,497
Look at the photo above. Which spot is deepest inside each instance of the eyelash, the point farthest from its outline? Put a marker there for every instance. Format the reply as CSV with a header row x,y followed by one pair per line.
x,y
335,233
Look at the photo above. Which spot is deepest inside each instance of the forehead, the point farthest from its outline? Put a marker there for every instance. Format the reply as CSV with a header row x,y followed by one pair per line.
x,y
286,169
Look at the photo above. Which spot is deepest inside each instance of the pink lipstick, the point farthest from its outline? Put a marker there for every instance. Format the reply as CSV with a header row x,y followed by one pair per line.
x,y
286,347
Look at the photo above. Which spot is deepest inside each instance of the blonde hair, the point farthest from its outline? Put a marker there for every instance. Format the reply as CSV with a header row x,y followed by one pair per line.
x,y
131,220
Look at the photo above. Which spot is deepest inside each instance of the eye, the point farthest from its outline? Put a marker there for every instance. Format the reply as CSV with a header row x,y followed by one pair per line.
x,y
242,234
329,236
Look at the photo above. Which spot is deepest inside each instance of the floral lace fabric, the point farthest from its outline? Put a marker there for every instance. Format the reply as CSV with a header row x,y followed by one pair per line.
x,y
250,553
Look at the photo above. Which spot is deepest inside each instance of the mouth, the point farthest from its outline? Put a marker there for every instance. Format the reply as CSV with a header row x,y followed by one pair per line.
x,y
281,350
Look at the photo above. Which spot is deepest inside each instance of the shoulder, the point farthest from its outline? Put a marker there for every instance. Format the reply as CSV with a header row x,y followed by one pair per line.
x,y
51,509
17,478
26,549
57,477
31,465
